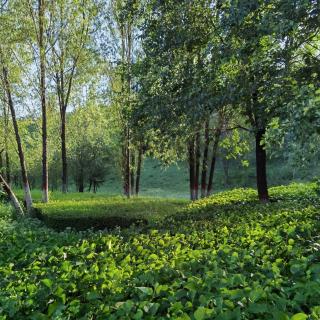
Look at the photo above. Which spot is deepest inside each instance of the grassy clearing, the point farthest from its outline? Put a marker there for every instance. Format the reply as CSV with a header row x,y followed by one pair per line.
x,y
173,181
226,257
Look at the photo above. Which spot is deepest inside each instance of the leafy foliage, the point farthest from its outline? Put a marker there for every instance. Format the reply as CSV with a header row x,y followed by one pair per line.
x,y
229,258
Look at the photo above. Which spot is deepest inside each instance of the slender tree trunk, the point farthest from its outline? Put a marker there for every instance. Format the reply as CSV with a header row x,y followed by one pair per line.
x,y
132,172
197,164
8,168
213,160
25,181
139,170
205,159
45,184
64,177
1,160
261,167
81,180
6,153
94,186
191,169
11,195
126,164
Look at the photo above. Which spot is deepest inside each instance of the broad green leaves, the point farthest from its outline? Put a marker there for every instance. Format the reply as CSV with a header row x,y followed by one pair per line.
x,y
224,257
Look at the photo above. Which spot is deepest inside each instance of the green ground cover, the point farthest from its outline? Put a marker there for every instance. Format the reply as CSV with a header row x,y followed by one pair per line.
x,y
225,257
101,212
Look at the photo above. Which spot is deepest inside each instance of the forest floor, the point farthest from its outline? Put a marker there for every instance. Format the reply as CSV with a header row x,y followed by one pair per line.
x,y
225,257
172,181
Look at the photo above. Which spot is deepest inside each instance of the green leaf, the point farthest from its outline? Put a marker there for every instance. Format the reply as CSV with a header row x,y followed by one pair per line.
x,y
299,316
200,313
47,283
146,290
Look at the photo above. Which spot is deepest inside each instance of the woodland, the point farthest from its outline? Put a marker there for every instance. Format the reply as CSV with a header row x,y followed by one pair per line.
x,y
159,159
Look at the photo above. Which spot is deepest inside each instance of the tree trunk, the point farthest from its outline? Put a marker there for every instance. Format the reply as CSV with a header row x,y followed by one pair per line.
x,y
132,172
81,182
205,160
1,161
261,167
126,165
25,181
8,170
64,177
139,170
6,153
191,169
197,164
213,160
94,186
45,191
11,195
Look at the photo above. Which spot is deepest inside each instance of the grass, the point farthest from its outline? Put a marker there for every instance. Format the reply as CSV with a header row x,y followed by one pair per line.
x,y
226,257
172,181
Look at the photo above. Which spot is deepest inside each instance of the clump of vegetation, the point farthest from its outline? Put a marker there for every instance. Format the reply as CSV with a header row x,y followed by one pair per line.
x,y
230,258
101,212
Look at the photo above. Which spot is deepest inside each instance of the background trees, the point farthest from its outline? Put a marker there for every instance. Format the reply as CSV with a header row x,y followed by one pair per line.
x,y
106,84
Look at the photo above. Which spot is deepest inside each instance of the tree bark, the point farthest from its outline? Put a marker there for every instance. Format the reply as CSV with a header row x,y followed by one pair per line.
x,y
6,153
261,167
205,159
213,160
25,181
8,167
64,177
132,173
139,170
45,184
11,195
81,185
126,164
197,164
1,160
191,169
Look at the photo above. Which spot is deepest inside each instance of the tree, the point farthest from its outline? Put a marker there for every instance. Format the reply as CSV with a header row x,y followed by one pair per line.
x,y
71,24
90,146
42,55
7,88
182,81
125,19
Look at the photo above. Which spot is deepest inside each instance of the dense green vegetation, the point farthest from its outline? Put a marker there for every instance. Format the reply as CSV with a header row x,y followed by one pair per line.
x,y
224,257
101,212
113,113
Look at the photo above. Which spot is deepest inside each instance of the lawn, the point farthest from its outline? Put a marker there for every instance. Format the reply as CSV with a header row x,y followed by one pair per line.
x,y
226,257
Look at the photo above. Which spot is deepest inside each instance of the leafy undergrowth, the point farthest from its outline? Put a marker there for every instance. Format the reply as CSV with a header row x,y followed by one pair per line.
x,y
226,257
107,212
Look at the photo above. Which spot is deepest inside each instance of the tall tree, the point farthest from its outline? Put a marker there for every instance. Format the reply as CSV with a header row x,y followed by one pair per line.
x,y
7,88
125,15
42,56
71,24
